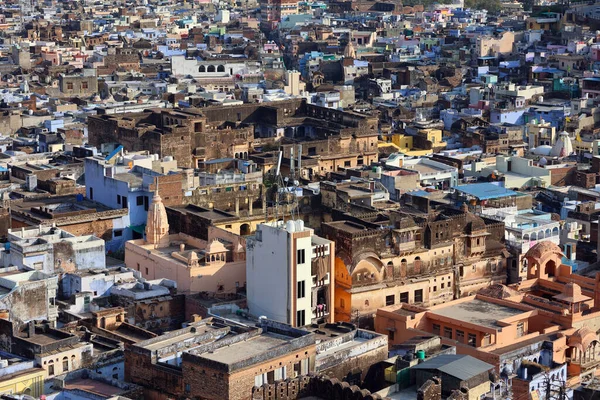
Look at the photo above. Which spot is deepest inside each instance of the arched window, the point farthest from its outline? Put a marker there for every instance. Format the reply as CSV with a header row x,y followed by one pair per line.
x,y
211,68
221,68
202,68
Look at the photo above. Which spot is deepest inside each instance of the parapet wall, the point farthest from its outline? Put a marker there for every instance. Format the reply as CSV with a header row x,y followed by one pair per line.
x,y
312,385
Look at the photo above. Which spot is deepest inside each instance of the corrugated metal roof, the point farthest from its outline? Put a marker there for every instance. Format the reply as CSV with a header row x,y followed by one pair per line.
x,y
485,191
460,366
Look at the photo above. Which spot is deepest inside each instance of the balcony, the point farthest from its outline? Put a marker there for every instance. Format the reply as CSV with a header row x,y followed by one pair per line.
x,y
320,311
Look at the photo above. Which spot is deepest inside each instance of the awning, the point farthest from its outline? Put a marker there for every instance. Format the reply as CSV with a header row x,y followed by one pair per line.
x,y
139,228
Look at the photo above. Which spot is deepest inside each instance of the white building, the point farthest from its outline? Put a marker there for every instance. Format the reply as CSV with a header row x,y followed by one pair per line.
x,y
52,250
98,282
214,68
290,274
432,173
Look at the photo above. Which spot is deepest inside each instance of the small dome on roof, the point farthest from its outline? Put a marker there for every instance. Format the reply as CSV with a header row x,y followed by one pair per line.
x,y
542,248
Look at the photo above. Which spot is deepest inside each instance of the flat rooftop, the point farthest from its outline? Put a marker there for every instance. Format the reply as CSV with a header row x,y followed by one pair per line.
x,y
247,349
210,214
477,312
158,344
348,226
93,386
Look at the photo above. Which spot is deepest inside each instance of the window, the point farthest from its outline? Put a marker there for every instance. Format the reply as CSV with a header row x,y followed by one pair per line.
x,y
442,285
271,377
146,203
448,332
300,318
84,85
301,287
404,297
435,288
391,335
342,303
389,300
436,329
472,340
187,388
300,256
124,201
138,266
139,200
118,199
65,364
146,270
346,163
297,370
91,193
118,233
460,336
520,329
51,369
419,296
69,85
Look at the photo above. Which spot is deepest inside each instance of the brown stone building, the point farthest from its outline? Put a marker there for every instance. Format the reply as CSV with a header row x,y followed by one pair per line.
x,y
215,359
426,254
329,138
76,216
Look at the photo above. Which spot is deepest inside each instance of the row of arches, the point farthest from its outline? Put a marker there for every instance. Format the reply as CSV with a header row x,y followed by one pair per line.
x,y
242,154
541,234
211,68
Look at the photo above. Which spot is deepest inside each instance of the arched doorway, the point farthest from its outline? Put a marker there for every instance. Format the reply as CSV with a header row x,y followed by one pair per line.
x,y
245,230
550,269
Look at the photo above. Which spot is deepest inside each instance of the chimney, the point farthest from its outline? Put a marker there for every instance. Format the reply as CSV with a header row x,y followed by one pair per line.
x,y
31,329
182,247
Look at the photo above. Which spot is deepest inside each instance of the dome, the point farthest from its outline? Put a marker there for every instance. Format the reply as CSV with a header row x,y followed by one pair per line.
x,y
543,150
541,248
571,294
563,146
582,338
215,247
498,291
349,51
543,161
192,256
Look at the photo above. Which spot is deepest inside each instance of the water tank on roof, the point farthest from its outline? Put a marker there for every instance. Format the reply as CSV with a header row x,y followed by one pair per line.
x,y
290,227
299,225
168,158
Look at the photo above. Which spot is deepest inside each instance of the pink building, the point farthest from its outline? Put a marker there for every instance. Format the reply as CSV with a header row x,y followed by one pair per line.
x,y
216,265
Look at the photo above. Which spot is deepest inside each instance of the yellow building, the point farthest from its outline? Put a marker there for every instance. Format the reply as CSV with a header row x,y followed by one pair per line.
x,y
407,144
22,378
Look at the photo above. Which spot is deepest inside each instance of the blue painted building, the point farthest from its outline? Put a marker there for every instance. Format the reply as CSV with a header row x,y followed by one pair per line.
x,y
120,181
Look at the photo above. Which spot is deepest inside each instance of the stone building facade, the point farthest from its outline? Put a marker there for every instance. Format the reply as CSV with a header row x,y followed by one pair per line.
x,y
331,138
426,256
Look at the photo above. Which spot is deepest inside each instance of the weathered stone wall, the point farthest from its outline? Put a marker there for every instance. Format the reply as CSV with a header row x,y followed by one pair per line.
x,y
311,385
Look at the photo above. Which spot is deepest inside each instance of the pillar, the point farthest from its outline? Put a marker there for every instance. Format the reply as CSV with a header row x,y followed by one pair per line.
x,y
237,206
249,206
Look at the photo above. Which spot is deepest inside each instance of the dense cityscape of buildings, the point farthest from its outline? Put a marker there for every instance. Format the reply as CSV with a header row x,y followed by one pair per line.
x,y
279,199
